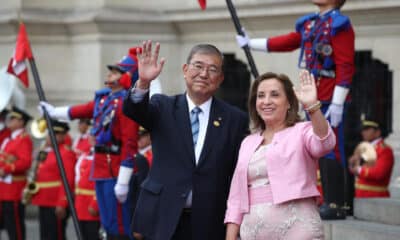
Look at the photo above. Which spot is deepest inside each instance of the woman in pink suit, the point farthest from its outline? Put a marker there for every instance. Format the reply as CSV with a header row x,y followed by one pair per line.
x,y
273,191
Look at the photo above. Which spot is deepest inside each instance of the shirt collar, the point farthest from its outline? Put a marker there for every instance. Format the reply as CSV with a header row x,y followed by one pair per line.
x,y
144,150
17,132
205,107
376,141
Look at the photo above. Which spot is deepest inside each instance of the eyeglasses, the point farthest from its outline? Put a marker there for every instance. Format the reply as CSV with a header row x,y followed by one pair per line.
x,y
210,69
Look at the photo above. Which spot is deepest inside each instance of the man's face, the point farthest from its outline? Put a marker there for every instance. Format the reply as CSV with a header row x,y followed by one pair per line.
x,y
112,79
369,134
144,141
60,137
83,127
14,123
203,75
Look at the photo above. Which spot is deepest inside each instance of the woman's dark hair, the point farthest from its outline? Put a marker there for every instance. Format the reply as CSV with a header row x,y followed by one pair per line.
x,y
292,114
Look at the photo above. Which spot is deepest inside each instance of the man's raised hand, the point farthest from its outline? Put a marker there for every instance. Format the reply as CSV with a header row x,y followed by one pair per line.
x,y
149,66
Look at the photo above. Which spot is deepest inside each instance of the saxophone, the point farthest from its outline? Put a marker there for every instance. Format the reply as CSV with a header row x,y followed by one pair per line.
x,y
31,188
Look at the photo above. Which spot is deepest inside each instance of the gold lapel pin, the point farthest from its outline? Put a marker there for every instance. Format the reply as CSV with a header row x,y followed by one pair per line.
x,y
217,122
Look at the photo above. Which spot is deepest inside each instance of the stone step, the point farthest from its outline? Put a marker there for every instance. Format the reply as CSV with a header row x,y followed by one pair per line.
x,y
394,188
381,210
359,230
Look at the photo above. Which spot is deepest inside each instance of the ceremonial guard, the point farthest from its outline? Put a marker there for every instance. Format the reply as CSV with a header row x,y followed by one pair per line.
x,y
81,143
372,162
4,131
49,194
15,160
326,42
87,209
144,145
115,144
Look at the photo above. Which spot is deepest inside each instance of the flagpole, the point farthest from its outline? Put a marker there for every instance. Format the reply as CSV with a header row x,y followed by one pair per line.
x,y
238,27
42,97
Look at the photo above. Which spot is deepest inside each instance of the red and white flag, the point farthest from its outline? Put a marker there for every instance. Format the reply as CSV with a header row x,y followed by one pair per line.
x,y
22,51
203,4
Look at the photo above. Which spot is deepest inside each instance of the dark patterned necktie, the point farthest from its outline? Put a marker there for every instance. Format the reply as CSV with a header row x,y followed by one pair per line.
x,y
194,121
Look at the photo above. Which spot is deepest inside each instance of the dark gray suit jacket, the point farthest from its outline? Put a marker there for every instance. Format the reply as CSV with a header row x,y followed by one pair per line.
x,y
174,172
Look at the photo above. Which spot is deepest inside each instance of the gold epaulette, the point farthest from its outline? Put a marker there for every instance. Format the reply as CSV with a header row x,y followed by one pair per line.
x,y
384,145
25,134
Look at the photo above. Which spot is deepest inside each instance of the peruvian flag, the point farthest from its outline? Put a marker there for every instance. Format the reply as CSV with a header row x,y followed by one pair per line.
x,y
203,4
17,65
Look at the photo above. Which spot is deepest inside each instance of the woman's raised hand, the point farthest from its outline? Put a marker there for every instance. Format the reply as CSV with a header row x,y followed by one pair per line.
x,y
306,93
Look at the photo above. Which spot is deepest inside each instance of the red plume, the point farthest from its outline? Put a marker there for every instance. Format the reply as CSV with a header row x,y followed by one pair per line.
x,y
134,51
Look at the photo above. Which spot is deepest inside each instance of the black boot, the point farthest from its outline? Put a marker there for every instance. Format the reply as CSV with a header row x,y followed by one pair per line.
x,y
332,180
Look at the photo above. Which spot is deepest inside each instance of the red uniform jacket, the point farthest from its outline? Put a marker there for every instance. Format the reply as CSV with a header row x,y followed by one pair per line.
x,y
51,190
373,181
21,147
81,144
341,45
5,133
124,130
85,195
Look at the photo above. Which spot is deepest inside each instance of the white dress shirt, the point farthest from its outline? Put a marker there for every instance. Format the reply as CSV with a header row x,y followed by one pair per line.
x,y
203,123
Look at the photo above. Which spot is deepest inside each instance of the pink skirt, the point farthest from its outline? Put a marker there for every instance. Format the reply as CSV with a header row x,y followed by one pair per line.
x,y
294,220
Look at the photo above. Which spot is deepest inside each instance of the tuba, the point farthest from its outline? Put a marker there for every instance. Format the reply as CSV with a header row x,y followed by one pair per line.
x,y
39,128
364,153
31,188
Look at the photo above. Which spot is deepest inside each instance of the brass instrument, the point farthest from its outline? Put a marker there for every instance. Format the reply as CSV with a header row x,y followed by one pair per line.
x,y
39,128
31,188
364,153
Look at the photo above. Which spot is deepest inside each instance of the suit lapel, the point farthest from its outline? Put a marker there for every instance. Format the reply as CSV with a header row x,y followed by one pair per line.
x,y
182,120
214,129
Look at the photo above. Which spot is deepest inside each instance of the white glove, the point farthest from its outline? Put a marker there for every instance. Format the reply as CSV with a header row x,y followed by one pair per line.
x,y
257,44
243,40
59,113
335,110
121,192
336,113
121,189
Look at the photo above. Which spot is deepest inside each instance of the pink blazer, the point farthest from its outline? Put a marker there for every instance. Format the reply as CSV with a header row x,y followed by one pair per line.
x,y
291,163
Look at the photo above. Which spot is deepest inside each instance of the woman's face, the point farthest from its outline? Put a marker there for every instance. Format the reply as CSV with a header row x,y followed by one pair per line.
x,y
271,103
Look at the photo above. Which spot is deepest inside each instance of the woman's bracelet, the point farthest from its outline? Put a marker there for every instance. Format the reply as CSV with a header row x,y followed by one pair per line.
x,y
313,108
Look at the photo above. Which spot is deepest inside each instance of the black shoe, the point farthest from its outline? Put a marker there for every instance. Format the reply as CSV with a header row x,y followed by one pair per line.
x,y
331,211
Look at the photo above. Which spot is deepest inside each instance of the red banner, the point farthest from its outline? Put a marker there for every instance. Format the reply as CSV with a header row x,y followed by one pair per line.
x,y
22,51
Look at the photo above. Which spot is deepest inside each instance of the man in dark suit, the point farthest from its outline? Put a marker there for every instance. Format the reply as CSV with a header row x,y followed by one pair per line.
x,y
194,152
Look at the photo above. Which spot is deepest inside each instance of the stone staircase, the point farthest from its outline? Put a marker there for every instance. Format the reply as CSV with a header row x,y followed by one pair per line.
x,y
374,219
